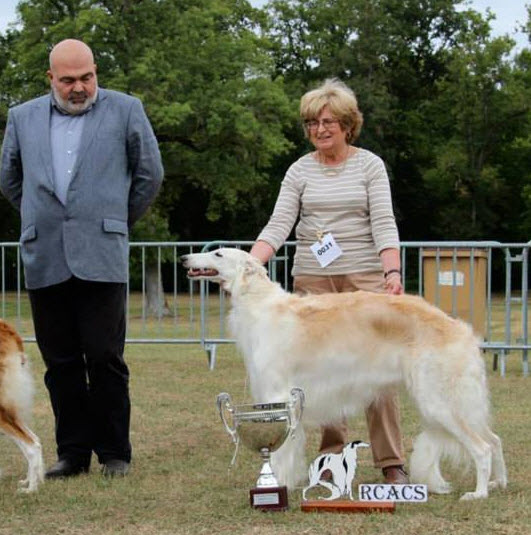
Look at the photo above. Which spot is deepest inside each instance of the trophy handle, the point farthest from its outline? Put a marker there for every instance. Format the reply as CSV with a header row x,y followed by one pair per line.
x,y
296,408
225,407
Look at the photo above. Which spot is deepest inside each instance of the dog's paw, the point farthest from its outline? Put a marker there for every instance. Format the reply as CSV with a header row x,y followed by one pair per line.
x,y
473,496
26,490
23,487
498,484
26,486
441,488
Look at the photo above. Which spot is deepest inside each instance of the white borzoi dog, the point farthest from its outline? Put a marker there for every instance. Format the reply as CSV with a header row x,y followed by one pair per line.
x,y
343,349
16,396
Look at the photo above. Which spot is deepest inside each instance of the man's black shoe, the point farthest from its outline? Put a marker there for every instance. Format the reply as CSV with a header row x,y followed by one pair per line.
x,y
115,468
66,468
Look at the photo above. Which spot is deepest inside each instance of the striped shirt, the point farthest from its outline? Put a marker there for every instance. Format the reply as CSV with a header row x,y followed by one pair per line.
x,y
354,205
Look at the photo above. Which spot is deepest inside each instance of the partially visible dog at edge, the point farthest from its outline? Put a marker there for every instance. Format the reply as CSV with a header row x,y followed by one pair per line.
x,y
343,349
16,402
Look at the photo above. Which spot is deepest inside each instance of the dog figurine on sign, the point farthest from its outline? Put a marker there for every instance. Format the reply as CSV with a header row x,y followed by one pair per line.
x,y
342,466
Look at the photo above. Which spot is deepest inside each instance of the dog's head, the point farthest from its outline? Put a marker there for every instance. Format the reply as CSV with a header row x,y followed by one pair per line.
x,y
226,266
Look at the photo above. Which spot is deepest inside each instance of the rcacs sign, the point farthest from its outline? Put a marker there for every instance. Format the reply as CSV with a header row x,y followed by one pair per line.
x,y
392,493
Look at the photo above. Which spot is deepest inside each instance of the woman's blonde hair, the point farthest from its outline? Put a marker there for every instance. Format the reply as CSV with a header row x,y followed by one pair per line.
x,y
342,103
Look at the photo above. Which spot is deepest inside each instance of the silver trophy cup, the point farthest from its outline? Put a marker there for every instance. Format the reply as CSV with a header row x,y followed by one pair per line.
x,y
263,427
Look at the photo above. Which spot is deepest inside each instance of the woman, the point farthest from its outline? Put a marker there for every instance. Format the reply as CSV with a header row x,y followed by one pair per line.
x,y
347,238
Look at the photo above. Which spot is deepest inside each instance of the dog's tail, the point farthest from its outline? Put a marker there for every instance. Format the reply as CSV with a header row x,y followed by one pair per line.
x,y
429,448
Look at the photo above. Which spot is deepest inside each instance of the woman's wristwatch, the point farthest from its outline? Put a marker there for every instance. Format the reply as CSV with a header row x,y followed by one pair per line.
x,y
387,273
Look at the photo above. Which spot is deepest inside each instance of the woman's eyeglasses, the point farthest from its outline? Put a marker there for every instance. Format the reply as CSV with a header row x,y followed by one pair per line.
x,y
313,124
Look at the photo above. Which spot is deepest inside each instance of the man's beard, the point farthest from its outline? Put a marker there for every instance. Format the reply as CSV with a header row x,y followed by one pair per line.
x,y
71,107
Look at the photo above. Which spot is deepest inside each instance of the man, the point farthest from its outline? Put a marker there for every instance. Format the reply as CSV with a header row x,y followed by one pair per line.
x,y
81,165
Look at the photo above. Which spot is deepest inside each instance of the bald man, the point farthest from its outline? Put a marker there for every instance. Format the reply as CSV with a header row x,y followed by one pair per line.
x,y
82,165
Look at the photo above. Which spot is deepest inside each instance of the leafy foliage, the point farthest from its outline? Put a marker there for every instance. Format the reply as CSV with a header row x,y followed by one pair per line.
x,y
445,104
200,69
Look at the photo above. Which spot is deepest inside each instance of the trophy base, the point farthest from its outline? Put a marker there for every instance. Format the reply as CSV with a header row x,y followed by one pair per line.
x,y
269,498
346,506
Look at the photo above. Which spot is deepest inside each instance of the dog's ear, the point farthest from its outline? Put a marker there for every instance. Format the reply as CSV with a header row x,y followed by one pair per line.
x,y
253,266
250,269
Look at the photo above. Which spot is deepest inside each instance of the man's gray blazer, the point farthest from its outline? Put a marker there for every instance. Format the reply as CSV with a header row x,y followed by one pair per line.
x,y
117,175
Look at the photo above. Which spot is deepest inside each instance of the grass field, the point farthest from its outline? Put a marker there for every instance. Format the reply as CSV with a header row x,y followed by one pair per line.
x,y
180,483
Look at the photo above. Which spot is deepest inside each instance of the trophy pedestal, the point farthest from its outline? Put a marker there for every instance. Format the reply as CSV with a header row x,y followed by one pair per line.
x,y
269,498
346,506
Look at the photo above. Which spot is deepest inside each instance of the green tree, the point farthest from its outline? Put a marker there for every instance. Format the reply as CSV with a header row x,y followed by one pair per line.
x,y
444,104
8,216
518,153
391,52
480,116
202,72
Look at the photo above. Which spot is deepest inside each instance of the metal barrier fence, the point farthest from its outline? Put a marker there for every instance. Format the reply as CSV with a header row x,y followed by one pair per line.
x,y
482,282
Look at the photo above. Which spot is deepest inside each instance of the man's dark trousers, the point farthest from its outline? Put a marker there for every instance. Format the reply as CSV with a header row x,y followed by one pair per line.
x,y
80,331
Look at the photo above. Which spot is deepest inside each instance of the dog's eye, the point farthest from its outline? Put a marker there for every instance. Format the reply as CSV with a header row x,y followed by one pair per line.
x,y
219,254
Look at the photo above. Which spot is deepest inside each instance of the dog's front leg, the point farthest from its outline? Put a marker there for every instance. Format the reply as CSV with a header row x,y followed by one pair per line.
x,y
288,462
32,451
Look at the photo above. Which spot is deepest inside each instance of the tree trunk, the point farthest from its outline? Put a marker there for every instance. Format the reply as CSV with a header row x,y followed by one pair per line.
x,y
156,300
